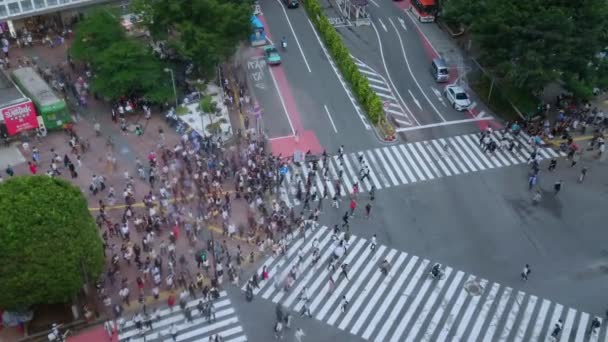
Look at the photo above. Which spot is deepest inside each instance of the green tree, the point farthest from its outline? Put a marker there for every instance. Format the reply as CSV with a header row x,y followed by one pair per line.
x,y
122,65
531,43
129,67
204,31
49,242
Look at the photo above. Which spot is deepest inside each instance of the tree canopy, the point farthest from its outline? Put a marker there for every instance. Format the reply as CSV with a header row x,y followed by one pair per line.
x,y
121,65
204,31
49,242
534,42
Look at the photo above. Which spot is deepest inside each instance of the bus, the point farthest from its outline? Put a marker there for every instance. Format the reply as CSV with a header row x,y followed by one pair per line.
x,y
258,37
424,10
53,109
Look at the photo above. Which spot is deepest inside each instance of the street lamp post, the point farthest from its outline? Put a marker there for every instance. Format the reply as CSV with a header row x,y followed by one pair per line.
x,y
170,71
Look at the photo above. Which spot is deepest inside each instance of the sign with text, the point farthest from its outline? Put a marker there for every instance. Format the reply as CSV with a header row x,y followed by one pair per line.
x,y
19,118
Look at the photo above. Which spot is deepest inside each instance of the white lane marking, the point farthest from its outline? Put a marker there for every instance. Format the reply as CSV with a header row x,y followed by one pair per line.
x,y
426,310
483,314
330,119
412,164
455,312
470,153
415,99
275,267
369,72
345,179
582,327
388,75
475,148
441,154
430,162
395,165
295,36
386,96
386,167
375,80
414,306
454,145
379,87
349,295
402,22
375,3
331,63
450,155
388,323
389,298
557,313
538,324
481,114
352,170
421,163
371,157
439,96
382,24
372,173
498,314
568,322
412,73
525,320
446,123
334,172
370,286
276,86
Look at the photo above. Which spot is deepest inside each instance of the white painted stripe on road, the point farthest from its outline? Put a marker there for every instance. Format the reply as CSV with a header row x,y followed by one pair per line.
x,y
502,304
551,152
375,80
595,337
398,113
430,161
456,309
411,162
386,96
441,154
445,302
582,327
496,136
273,270
349,295
525,320
430,303
380,88
388,323
367,72
557,313
477,151
483,314
386,167
351,253
347,183
330,119
396,167
238,339
367,182
414,306
465,147
353,171
403,164
421,163
382,175
568,322
512,316
386,303
370,286
540,320
372,173
454,152
332,169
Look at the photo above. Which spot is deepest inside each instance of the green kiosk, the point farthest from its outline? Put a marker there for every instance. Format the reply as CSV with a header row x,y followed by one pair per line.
x,y
52,108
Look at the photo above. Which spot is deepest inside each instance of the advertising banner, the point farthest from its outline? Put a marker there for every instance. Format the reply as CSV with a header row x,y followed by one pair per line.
x,y
19,118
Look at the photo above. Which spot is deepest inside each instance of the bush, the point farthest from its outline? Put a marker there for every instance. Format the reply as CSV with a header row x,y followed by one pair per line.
x,y
368,99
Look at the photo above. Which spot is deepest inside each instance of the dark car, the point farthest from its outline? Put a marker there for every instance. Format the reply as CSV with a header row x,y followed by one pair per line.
x,y
291,3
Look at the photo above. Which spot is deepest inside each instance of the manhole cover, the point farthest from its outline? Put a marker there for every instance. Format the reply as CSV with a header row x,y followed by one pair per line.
x,y
473,288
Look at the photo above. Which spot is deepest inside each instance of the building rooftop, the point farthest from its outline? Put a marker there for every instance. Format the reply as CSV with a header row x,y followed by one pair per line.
x,y
33,85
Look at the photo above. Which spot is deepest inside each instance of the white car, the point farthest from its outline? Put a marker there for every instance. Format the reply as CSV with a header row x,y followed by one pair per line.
x,y
457,97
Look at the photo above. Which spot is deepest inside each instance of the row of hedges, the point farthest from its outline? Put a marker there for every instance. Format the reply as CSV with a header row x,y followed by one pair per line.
x,y
358,83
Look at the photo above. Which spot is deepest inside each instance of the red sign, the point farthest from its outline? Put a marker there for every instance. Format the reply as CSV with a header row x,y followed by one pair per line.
x,y
19,118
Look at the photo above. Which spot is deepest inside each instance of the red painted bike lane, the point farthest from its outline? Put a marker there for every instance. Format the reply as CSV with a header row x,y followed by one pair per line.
x,y
432,54
302,140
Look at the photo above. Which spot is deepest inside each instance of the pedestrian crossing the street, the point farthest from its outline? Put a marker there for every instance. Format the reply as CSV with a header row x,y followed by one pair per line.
x,y
407,304
226,324
380,86
410,163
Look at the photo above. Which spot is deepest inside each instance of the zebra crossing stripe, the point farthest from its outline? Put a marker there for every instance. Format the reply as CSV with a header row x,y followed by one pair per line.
x,y
370,263
476,151
377,294
411,162
338,290
426,170
557,312
540,320
385,181
565,336
353,173
465,147
319,278
368,288
387,168
476,330
457,308
595,337
379,87
334,173
455,146
367,72
372,173
395,151
389,298
502,304
525,321
388,323
323,293
430,303
347,183
512,316
426,336
391,160
366,181
582,327
436,156
429,161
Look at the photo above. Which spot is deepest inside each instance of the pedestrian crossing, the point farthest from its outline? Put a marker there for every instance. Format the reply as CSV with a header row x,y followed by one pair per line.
x,y
410,163
407,304
380,86
226,324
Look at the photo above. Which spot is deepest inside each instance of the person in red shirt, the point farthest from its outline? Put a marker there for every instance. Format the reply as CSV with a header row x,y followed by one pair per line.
x,y
353,206
171,301
33,168
175,231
